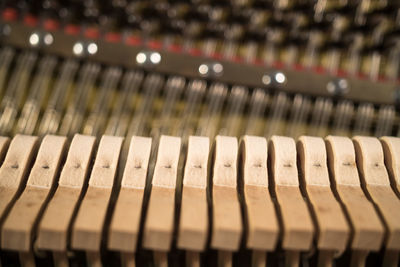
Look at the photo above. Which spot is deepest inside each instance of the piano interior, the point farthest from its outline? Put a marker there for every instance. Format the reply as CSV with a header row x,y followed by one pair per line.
x,y
199,133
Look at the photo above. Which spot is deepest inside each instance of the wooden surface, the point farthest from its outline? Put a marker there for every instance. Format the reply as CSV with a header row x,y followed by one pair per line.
x,y
54,226
367,228
333,230
193,224
124,227
13,171
391,149
227,223
159,223
370,160
19,227
298,229
4,143
88,226
262,222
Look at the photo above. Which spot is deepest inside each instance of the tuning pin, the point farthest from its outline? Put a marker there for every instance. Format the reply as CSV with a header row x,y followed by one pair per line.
x,y
150,26
343,117
375,59
91,11
319,9
119,3
282,4
385,121
72,120
139,124
124,105
194,29
356,45
41,83
95,122
320,117
16,89
277,114
174,87
363,119
233,35
362,9
212,35
253,36
334,54
255,120
340,24
397,17
188,118
233,116
258,18
292,48
52,116
251,50
393,58
176,11
217,13
51,7
299,113
275,37
314,43
6,57
209,118
241,3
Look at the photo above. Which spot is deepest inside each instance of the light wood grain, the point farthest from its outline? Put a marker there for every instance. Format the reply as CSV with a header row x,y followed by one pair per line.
x,y
391,149
4,143
370,160
367,228
54,226
262,222
193,224
227,223
193,236
298,229
88,226
333,231
124,227
159,223
14,170
19,227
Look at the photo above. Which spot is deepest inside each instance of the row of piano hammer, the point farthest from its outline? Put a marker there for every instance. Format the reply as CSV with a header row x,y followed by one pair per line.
x,y
347,197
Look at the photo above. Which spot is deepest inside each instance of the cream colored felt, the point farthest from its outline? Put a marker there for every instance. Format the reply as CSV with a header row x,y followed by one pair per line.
x,y
333,231
124,227
391,149
88,226
18,228
367,229
298,229
13,170
371,164
193,224
159,223
54,226
227,223
262,223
